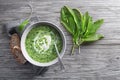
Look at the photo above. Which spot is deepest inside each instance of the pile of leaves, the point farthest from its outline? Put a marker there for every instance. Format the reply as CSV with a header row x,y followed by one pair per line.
x,y
81,26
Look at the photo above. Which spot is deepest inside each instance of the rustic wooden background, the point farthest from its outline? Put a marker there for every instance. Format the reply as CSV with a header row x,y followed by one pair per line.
x,y
98,61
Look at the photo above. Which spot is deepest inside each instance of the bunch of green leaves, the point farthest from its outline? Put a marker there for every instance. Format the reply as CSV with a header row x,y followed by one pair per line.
x,y
80,26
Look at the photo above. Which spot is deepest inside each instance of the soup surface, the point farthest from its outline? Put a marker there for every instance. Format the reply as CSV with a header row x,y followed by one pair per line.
x,y
40,41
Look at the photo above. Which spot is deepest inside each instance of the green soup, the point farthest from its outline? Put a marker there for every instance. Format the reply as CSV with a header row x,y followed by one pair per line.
x,y
40,43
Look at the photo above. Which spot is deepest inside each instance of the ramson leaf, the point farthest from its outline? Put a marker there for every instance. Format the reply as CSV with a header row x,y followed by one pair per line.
x,y
78,16
87,23
89,27
92,38
64,20
67,20
97,25
23,24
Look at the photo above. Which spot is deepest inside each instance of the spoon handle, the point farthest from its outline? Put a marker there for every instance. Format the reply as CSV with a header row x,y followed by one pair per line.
x,y
60,60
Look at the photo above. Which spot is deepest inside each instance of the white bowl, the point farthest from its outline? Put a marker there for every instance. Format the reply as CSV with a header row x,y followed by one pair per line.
x,y
25,53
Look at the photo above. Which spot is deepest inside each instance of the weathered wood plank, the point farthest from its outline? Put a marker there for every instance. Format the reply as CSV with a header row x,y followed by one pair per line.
x,y
97,61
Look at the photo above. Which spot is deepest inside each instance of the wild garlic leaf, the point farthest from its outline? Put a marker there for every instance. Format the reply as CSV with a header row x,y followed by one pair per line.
x,y
67,20
70,17
93,26
78,16
72,24
75,22
92,38
22,25
89,26
64,20
97,25
86,22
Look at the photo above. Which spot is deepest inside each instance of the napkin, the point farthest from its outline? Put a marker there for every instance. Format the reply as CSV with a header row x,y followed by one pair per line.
x,y
11,27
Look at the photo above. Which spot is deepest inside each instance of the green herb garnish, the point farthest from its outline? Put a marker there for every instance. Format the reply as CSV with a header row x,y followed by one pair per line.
x,y
22,25
26,21
80,26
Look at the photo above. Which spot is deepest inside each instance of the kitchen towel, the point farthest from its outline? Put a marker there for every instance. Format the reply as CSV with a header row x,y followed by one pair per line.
x,y
11,27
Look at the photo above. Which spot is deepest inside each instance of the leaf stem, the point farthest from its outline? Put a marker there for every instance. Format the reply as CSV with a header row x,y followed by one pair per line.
x,y
73,48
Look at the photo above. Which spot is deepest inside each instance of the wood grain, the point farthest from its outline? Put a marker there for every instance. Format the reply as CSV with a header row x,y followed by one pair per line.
x,y
97,61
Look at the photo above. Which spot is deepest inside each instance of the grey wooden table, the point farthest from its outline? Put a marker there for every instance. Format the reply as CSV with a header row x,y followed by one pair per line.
x,y
98,61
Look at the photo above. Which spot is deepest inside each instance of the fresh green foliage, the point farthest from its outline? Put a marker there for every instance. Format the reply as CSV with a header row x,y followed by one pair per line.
x,y
23,24
80,26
